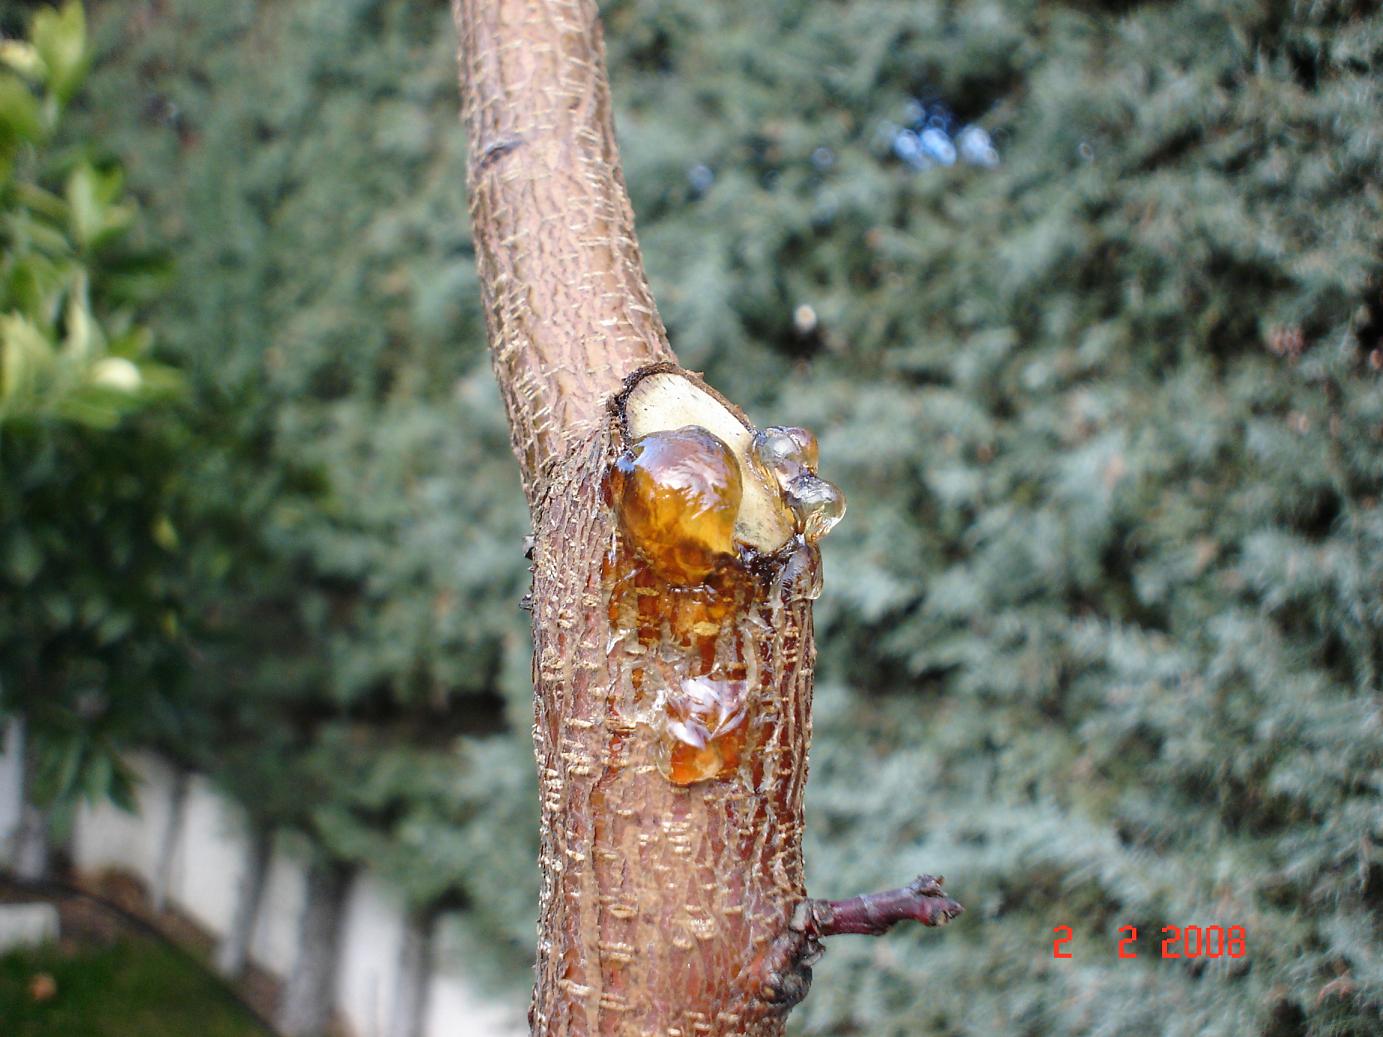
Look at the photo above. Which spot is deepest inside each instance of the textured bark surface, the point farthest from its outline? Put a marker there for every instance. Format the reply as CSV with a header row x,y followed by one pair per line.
x,y
658,901
569,309
661,903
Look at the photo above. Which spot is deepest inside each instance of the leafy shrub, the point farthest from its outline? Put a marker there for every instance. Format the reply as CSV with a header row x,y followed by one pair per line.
x,y
89,614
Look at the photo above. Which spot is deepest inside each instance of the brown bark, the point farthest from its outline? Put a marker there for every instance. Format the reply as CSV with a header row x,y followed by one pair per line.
x,y
666,908
569,309
658,901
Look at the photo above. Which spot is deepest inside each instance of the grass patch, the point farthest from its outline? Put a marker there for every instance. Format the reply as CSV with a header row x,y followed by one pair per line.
x,y
132,988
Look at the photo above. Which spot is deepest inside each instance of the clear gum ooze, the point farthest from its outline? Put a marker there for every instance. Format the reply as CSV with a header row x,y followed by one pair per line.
x,y
677,494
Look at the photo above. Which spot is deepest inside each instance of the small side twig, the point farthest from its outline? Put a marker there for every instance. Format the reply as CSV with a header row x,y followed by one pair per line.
x,y
784,974
921,900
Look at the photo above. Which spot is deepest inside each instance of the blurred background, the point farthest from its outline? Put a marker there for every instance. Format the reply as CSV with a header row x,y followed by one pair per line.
x,y
1085,301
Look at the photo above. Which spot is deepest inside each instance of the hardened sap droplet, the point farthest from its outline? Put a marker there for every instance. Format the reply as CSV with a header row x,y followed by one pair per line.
x,y
705,720
818,505
677,494
773,447
808,450
785,452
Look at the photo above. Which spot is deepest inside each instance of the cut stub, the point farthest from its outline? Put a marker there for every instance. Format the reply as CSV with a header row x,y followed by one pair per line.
x,y
717,530
675,563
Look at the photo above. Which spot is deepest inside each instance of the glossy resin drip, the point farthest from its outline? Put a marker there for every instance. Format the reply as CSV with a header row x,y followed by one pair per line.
x,y
684,596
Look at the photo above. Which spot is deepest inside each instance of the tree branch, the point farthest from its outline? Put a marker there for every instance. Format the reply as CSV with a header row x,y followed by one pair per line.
x,y
873,914
673,653
784,973
570,312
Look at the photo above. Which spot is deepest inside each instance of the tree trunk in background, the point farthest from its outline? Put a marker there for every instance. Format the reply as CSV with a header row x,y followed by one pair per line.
x,y
659,902
32,849
305,1008
168,842
32,846
415,969
234,949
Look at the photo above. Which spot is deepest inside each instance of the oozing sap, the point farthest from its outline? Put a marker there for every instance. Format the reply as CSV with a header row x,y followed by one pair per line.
x,y
684,595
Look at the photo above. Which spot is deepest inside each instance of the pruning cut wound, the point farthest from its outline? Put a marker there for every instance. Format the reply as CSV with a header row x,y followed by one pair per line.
x,y
717,527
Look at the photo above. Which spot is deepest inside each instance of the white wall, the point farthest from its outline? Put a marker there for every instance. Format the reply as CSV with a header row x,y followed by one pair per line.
x,y
367,972
456,1009
207,864
11,784
107,837
209,857
275,941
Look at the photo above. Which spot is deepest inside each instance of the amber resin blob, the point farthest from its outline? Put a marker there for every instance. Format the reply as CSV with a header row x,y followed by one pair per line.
x,y
677,494
685,596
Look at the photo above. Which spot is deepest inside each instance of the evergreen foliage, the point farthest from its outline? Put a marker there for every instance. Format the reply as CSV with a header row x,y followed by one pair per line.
x,y
358,562
1103,629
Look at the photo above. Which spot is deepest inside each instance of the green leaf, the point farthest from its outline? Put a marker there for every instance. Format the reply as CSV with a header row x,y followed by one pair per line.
x,y
26,357
137,278
23,558
98,775
69,768
95,215
160,380
60,39
32,233
113,626
84,337
59,609
121,787
23,58
165,534
94,406
36,286
42,201
131,345
19,109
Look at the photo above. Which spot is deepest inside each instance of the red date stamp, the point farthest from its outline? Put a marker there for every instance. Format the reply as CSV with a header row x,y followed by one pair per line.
x,y
1178,941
